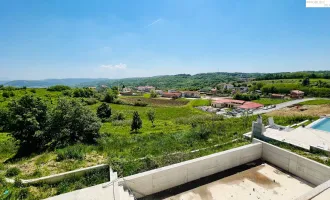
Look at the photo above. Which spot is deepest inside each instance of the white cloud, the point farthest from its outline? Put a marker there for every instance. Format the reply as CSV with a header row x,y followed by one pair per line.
x,y
119,66
155,22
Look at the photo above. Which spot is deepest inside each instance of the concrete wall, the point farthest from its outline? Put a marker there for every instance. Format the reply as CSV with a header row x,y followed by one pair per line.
x,y
59,177
157,180
302,167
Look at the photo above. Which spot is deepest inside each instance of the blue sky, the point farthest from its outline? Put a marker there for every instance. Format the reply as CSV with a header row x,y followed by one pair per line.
x,y
114,39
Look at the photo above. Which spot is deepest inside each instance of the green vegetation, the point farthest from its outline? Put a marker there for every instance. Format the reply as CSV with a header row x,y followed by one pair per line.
x,y
73,136
246,97
316,102
269,101
199,102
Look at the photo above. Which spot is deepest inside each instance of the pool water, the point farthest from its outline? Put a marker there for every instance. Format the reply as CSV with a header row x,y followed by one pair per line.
x,y
323,125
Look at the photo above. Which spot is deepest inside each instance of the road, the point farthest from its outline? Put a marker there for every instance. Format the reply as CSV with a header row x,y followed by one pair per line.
x,y
280,106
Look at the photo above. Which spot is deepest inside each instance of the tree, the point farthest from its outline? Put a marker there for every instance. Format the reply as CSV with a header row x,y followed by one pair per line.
x,y
3,119
28,117
71,122
153,94
151,116
104,111
305,82
136,122
110,96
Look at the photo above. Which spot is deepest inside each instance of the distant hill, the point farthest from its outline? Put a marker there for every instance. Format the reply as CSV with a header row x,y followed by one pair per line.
x,y
50,82
180,81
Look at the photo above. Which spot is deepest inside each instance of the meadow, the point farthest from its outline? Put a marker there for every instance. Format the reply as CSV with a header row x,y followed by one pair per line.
x,y
178,129
269,101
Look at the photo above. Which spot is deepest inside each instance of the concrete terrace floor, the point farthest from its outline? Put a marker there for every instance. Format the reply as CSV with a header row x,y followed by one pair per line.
x,y
260,182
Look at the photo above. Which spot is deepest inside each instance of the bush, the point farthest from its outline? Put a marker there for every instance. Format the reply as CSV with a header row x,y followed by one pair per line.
x,y
58,88
246,97
83,92
5,94
104,111
71,122
202,132
136,122
140,103
33,90
67,93
28,119
119,116
110,96
14,171
90,101
121,122
72,152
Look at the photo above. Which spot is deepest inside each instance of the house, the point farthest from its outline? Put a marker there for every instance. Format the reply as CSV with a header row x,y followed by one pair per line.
x,y
191,94
92,88
172,91
104,86
228,86
214,91
277,96
297,94
145,88
250,105
172,94
127,89
128,93
230,103
159,92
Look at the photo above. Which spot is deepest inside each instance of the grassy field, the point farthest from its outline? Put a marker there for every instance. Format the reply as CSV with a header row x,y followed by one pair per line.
x,y
179,128
269,101
316,102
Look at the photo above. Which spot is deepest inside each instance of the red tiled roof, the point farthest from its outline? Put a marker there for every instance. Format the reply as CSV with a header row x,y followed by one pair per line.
x,y
277,95
228,101
171,94
297,91
251,105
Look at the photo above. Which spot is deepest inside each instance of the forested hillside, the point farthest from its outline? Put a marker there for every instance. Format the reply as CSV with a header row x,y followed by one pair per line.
x,y
180,81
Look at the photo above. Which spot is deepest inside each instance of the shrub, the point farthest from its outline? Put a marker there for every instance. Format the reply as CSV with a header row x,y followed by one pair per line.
x,y
110,96
104,111
136,122
119,116
90,101
121,122
67,93
72,152
58,88
5,94
14,171
71,122
151,116
202,132
140,103
28,119
33,90
83,92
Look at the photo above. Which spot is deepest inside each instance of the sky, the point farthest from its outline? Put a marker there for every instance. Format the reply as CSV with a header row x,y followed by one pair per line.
x,y
115,39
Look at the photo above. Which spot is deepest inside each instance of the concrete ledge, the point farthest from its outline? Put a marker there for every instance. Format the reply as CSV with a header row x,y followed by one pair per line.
x,y
316,191
164,178
59,177
309,170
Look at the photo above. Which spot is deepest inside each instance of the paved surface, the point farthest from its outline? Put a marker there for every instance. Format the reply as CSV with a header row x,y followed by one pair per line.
x,y
323,196
96,192
261,182
280,106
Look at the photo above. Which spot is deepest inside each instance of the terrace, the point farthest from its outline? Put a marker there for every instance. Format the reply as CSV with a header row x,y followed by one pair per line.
x,y
255,171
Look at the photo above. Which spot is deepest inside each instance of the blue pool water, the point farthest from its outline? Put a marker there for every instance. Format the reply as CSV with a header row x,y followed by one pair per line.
x,y
323,125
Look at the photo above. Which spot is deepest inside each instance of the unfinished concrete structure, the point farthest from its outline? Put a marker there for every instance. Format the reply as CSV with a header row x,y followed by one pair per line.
x,y
255,171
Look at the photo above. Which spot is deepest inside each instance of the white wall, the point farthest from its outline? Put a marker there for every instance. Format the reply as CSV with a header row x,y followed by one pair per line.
x,y
157,180
302,167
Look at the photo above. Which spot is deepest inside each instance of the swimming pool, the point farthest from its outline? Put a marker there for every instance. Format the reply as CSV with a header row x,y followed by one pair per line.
x,y
323,125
